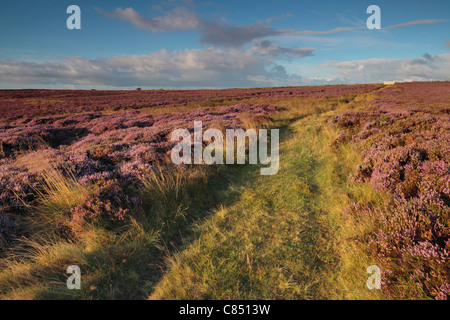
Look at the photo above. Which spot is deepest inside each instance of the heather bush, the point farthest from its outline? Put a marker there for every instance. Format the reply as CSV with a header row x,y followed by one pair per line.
x,y
405,147
89,167
94,209
7,230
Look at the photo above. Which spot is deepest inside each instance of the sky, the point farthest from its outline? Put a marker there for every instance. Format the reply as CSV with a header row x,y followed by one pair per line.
x,y
189,44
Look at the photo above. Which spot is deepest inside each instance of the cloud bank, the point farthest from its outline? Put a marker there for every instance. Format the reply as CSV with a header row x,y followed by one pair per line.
x,y
425,68
195,68
214,68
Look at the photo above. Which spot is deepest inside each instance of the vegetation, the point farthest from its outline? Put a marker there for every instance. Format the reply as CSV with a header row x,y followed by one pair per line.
x,y
96,190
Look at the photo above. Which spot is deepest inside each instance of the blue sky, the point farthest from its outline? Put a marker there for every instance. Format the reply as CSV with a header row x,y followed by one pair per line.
x,y
221,44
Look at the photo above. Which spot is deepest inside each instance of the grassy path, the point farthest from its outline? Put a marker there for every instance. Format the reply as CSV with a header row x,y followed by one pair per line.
x,y
284,238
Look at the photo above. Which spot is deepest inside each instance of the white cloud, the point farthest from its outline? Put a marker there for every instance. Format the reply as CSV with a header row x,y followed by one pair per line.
x,y
416,22
212,32
215,33
266,48
424,68
205,68
179,18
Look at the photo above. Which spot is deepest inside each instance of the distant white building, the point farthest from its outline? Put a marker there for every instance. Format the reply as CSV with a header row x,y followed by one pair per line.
x,y
389,83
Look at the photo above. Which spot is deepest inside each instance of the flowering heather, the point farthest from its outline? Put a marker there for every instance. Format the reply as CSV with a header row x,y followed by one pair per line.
x,y
107,153
429,97
404,139
25,105
91,163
